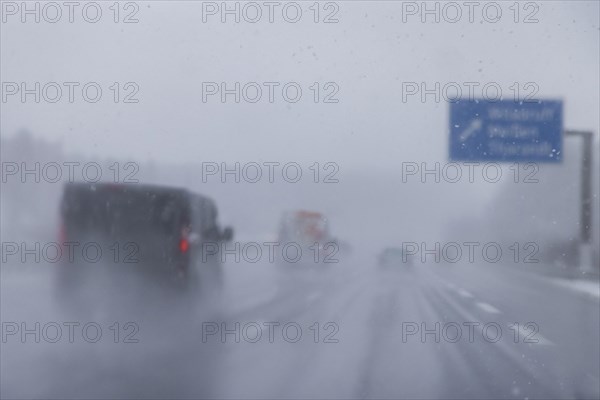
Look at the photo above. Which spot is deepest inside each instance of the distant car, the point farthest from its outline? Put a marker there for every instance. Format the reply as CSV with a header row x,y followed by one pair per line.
x,y
158,230
308,231
393,257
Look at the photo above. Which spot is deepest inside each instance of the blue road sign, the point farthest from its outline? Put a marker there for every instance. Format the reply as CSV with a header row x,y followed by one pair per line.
x,y
506,131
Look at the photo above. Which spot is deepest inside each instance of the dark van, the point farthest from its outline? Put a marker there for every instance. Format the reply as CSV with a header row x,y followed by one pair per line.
x,y
157,230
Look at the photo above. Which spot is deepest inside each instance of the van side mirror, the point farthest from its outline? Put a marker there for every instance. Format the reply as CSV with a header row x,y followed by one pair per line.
x,y
227,234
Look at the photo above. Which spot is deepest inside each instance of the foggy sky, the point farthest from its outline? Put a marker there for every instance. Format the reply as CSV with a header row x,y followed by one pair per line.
x,y
369,53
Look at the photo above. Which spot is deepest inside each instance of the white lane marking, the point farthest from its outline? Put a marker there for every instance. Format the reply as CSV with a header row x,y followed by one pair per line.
x,y
488,308
591,288
525,334
529,337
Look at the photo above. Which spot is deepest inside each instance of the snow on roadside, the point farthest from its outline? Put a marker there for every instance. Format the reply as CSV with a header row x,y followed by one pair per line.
x,y
591,288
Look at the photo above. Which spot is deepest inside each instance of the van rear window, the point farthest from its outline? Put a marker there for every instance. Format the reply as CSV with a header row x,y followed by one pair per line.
x,y
110,208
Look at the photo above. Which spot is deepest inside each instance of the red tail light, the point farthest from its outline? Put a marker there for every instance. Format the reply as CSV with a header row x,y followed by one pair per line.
x,y
184,245
62,234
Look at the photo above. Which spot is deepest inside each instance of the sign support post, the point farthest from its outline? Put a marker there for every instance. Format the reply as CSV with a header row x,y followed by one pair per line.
x,y
505,131
585,217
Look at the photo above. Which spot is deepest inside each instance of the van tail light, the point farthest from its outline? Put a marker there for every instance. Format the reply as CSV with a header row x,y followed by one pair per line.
x,y
184,245
184,242
62,234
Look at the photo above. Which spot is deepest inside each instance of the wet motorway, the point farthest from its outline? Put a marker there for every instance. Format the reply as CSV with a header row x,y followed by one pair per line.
x,y
345,330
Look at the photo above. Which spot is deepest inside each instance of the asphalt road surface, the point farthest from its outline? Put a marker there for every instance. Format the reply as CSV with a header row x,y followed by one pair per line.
x,y
349,330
